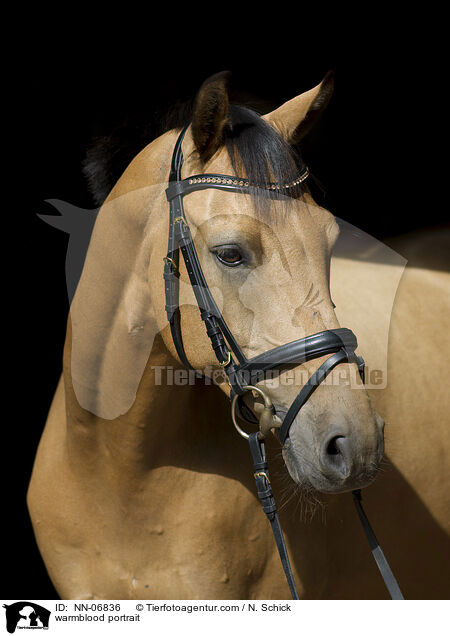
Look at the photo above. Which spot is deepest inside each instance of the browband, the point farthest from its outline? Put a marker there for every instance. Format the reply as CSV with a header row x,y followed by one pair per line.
x,y
229,184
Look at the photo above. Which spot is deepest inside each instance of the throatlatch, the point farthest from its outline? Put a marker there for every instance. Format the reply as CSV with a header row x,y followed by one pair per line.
x,y
243,374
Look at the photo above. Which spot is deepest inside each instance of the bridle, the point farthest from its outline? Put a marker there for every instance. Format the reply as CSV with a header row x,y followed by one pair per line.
x,y
242,373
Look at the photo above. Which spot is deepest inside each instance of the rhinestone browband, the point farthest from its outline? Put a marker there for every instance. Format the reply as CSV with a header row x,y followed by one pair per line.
x,y
244,183
230,183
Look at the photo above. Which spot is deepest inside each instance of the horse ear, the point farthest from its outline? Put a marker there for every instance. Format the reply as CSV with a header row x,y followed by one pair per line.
x,y
295,118
210,114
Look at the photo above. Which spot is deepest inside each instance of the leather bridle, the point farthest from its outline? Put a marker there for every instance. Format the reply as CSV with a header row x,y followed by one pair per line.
x,y
242,373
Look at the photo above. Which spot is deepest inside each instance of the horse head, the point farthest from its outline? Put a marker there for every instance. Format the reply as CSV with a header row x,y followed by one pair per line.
x,y
266,260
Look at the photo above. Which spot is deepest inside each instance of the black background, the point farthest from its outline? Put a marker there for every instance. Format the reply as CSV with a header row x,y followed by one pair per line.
x,y
371,150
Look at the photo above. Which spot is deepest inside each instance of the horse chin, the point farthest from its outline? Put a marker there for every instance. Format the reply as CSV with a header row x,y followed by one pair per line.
x,y
312,479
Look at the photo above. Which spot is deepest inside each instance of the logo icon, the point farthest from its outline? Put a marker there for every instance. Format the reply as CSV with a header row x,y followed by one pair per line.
x,y
26,615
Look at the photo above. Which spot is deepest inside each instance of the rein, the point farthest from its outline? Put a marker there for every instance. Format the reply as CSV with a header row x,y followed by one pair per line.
x,y
242,373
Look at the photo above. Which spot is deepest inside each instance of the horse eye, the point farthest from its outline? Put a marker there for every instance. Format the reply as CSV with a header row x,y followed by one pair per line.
x,y
229,256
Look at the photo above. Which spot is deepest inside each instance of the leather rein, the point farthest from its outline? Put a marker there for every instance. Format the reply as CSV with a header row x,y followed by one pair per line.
x,y
242,373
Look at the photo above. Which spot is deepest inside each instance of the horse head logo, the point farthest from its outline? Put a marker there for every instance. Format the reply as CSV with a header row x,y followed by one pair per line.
x,y
26,615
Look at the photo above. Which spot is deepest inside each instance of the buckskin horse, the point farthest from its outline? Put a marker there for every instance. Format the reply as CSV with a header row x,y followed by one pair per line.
x,y
141,486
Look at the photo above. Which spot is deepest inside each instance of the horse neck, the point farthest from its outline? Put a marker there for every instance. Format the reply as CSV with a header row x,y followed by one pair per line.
x,y
170,423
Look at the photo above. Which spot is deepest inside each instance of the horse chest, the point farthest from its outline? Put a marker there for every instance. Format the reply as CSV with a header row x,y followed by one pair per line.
x,y
205,539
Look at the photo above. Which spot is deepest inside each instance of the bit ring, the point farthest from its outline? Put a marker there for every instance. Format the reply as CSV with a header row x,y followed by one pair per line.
x,y
249,387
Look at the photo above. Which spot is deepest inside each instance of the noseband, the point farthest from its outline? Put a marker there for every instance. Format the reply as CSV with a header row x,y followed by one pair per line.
x,y
243,373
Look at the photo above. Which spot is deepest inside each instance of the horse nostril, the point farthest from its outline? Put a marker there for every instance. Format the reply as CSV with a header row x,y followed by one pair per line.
x,y
335,456
332,448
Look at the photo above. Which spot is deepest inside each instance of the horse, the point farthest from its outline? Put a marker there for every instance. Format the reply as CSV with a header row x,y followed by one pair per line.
x,y
141,487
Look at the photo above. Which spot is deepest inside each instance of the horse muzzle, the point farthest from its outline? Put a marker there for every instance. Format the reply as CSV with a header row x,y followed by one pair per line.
x,y
334,457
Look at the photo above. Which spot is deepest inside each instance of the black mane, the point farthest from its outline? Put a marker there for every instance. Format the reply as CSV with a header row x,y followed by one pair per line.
x,y
259,153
